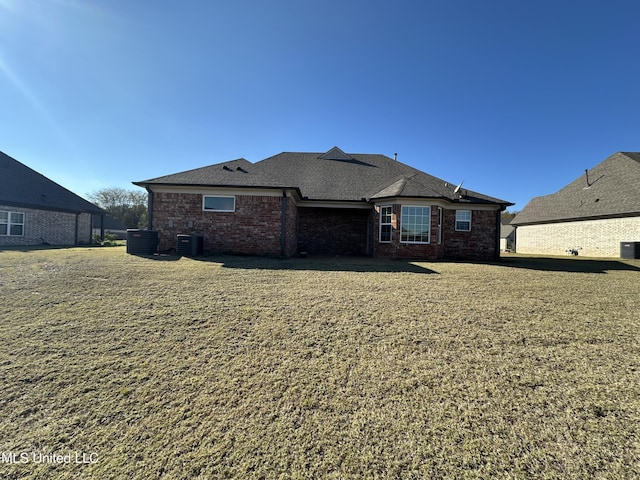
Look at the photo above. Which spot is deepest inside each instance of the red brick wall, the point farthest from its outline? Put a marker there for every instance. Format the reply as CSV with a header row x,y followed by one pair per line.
x,y
396,249
478,244
333,230
254,228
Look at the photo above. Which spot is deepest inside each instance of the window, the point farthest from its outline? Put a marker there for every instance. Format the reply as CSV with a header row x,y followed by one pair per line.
x,y
415,222
11,223
463,220
219,204
385,224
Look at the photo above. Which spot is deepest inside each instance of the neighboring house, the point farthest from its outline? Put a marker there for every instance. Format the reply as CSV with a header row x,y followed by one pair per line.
x,y
107,225
35,210
507,236
325,203
591,216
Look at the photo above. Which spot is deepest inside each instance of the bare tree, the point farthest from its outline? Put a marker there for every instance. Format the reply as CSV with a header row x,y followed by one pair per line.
x,y
507,216
128,206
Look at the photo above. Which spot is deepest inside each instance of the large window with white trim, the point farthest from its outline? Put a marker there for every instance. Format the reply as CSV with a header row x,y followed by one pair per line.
x,y
463,220
11,223
415,224
385,224
213,203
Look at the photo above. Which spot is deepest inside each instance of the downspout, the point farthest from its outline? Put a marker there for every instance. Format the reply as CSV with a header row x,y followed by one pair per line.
x,y
149,208
283,224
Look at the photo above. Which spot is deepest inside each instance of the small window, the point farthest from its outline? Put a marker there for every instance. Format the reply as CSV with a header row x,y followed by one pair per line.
x,y
219,204
385,224
11,223
463,220
416,224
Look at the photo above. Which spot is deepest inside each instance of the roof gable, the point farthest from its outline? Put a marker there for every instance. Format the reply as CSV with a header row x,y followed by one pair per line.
x,y
24,187
335,154
611,188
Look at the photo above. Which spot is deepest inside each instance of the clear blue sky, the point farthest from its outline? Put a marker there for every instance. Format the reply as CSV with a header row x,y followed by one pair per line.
x,y
516,98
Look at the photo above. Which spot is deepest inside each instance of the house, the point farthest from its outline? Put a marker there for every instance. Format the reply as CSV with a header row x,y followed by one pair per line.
x,y
591,216
507,236
35,210
324,203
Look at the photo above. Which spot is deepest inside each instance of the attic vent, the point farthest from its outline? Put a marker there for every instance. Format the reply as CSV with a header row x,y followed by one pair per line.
x,y
240,169
228,169
335,154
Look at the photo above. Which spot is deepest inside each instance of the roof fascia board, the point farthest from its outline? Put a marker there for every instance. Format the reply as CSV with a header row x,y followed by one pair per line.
x,y
223,189
48,208
579,219
334,204
437,202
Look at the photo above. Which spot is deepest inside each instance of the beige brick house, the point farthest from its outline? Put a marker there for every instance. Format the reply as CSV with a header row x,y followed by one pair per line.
x,y
324,203
591,216
35,210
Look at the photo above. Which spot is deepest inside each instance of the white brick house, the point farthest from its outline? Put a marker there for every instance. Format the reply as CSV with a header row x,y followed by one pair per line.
x,y
591,216
35,210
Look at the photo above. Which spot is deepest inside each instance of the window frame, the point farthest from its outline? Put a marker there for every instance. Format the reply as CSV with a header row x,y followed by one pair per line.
x,y
457,220
204,203
386,224
10,223
402,223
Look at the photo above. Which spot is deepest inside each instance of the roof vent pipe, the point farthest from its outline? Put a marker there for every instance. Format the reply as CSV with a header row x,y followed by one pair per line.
x,y
395,156
586,172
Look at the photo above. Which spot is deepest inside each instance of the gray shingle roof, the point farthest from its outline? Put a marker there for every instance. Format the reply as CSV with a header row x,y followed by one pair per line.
x,y
22,186
613,189
333,175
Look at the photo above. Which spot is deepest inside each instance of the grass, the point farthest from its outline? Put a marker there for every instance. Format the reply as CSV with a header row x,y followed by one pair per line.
x,y
231,367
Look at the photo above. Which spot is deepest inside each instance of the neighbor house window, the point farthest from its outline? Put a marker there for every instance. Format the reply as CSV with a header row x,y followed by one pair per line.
x,y
415,223
385,224
11,223
463,220
219,204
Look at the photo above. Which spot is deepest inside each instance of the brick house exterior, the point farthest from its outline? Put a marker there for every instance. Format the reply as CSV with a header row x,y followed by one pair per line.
x,y
35,210
591,216
327,203
232,232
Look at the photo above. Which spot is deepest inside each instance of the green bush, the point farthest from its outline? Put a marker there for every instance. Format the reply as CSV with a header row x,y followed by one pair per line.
x,y
110,240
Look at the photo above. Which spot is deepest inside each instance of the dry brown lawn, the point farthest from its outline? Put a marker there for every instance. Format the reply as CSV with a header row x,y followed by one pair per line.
x,y
116,366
